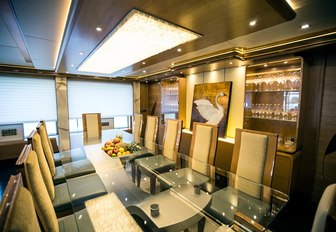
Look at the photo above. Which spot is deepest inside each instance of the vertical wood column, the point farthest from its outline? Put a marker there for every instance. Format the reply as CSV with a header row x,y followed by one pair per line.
x,y
136,97
62,113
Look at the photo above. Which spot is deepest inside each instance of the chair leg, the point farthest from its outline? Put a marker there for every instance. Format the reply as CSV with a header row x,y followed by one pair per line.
x,y
152,184
133,172
138,176
201,225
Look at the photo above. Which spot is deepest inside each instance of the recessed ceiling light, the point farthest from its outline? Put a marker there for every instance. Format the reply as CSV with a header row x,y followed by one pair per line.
x,y
253,23
172,64
98,29
285,62
173,70
155,79
265,65
181,72
144,71
179,50
231,62
146,81
139,34
81,53
305,26
143,62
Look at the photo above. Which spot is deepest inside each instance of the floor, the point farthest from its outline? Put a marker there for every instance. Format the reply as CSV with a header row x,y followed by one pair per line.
x,y
298,215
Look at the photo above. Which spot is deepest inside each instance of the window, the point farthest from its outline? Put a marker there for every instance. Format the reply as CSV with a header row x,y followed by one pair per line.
x,y
111,99
28,100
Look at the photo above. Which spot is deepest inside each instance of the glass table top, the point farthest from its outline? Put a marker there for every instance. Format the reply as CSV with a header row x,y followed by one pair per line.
x,y
206,197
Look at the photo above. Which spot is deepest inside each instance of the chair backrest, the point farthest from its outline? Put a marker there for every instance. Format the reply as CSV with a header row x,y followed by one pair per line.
x,y
325,207
203,146
152,124
92,126
35,140
137,127
38,190
17,212
172,138
47,147
253,160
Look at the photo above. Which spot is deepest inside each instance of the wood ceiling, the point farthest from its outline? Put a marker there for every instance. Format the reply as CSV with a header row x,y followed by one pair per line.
x,y
224,25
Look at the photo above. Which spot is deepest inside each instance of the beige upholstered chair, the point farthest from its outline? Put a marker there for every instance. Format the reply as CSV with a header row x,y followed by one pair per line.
x,y
202,153
325,208
252,166
149,144
64,196
92,127
62,156
60,173
253,159
168,160
152,125
137,127
17,212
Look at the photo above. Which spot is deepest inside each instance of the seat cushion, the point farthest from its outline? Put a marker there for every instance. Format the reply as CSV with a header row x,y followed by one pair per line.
x,y
72,155
80,221
62,200
85,187
59,176
78,168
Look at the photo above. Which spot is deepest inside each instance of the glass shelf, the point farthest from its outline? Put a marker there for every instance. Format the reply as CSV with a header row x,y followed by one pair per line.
x,y
272,119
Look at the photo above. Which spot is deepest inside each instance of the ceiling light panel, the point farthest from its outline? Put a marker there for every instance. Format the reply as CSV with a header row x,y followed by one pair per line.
x,y
137,37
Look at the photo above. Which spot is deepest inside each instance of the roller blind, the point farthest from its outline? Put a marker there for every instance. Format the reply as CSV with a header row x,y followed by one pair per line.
x,y
27,99
108,98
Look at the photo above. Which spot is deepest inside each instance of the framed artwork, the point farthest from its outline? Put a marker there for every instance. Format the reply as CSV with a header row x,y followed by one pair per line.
x,y
211,103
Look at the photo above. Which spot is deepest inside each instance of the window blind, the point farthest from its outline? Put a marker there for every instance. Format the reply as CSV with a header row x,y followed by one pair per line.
x,y
27,99
108,98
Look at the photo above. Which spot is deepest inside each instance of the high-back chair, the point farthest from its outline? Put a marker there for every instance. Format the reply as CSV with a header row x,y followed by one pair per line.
x,y
152,125
168,160
92,127
149,144
61,157
64,196
203,147
252,167
17,212
253,159
60,173
202,157
325,208
137,127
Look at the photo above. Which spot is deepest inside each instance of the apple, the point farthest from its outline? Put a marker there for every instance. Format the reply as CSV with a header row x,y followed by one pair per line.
x,y
115,150
110,153
116,140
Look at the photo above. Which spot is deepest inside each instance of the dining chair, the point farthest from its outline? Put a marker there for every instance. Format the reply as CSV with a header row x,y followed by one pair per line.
x,y
153,165
201,158
250,175
137,127
325,208
92,127
17,212
149,144
20,210
60,157
61,173
253,159
64,196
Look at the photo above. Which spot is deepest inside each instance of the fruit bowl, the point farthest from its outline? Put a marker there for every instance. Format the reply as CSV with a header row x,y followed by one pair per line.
x,y
116,147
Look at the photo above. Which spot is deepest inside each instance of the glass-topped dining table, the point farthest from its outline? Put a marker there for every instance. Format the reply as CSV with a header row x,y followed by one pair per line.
x,y
188,193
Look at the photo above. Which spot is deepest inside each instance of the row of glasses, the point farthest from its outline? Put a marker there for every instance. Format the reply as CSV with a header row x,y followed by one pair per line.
x,y
282,81
272,111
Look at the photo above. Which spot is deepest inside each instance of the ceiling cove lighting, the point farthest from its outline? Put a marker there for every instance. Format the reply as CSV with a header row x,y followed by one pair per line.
x,y
137,37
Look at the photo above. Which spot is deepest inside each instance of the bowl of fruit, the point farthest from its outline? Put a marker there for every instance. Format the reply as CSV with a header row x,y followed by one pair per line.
x,y
116,147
